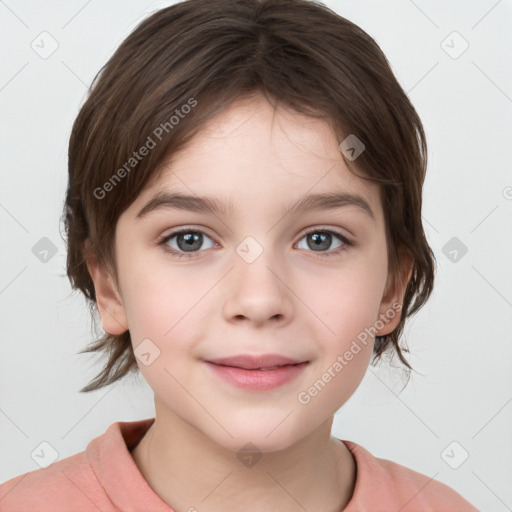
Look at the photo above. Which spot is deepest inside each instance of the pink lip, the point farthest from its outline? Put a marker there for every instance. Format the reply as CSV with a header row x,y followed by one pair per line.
x,y
245,371
253,362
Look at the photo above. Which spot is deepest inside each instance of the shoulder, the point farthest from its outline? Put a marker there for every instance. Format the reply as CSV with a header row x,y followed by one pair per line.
x,y
383,485
70,480
102,477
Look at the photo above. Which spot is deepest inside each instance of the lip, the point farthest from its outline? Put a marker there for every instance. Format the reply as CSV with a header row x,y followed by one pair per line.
x,y
249,362
245,371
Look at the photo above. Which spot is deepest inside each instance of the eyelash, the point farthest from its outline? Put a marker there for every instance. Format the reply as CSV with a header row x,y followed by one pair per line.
x,y
175,254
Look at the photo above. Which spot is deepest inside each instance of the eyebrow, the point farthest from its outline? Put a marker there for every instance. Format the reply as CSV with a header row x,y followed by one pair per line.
x,y
207,204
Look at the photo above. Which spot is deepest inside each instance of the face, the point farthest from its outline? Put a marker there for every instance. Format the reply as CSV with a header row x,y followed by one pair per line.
x,y
254,277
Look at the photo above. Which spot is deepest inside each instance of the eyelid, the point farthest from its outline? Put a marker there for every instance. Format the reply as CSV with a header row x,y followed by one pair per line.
x,y
185,229
320,228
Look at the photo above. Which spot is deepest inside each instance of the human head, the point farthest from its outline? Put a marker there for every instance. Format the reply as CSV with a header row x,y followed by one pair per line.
x,y
206,55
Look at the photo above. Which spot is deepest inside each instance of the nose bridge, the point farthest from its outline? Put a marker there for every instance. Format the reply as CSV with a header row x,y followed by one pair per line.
x,y
256,258
256,289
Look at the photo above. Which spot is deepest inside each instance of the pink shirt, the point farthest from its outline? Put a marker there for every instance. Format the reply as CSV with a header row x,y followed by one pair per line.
x,y
105,478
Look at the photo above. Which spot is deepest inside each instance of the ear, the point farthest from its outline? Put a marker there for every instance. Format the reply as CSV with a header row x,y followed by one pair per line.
x,y
109,303
394,295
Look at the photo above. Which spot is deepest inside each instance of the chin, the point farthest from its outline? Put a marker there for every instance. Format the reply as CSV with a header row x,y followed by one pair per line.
x,y
267,436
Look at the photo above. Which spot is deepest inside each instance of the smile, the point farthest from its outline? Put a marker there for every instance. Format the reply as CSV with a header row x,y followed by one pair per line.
x,y
257,379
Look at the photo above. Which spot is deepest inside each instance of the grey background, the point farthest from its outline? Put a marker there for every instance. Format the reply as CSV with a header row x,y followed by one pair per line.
x,y
460,341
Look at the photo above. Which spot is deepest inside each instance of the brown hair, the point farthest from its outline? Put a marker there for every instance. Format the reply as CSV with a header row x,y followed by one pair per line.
x,y
207,54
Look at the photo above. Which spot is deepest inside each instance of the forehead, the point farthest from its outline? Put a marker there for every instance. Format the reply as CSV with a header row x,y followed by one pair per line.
x,y
250,149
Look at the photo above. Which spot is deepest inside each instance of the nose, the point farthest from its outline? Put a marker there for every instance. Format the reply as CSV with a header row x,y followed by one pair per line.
x,y
257,290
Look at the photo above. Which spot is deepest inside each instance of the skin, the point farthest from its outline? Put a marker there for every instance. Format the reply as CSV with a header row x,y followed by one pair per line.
x,y
290,300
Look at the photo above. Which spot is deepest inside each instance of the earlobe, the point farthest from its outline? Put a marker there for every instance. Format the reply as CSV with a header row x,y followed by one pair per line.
x,y
108,301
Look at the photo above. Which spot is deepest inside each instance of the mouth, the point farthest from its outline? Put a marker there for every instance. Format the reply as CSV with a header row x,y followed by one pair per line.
x,y
261,362
257,373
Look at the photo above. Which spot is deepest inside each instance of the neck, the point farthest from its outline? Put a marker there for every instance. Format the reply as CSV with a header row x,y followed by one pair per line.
x,y
191,472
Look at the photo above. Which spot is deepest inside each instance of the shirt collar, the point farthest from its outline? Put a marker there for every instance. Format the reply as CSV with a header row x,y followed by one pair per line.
x,y
111,461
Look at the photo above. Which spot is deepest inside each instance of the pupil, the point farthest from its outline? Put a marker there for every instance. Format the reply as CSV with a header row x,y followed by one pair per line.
x,y
190,240
319,238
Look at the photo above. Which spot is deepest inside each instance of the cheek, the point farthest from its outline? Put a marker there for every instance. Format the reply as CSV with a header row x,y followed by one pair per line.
x,y
165,307
350,302
348,311
158,298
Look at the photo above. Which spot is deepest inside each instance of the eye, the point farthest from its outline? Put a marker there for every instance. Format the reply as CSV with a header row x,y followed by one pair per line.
x,y
319,239
187,241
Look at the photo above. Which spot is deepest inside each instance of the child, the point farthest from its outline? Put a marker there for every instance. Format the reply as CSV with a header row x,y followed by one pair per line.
x,y
244,210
